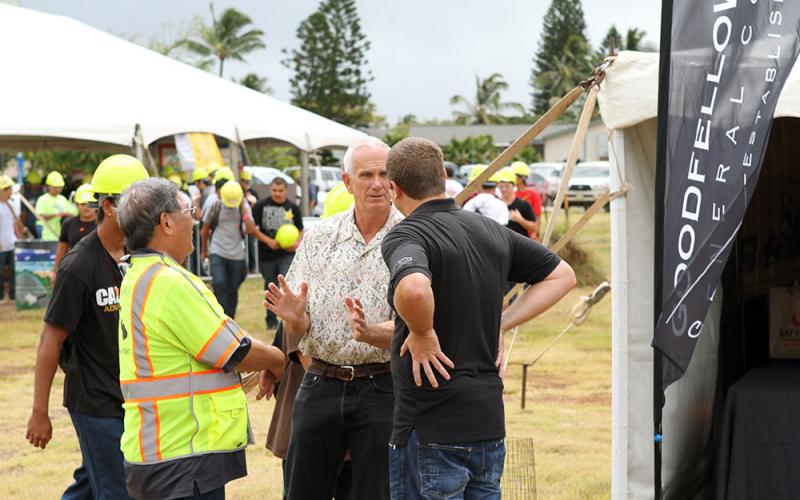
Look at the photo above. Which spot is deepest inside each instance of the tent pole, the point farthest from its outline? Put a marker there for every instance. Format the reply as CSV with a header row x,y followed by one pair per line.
x,y
658,257
305,205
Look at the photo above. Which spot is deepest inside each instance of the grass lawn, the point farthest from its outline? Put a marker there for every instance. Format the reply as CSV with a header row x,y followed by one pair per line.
x,y
567,415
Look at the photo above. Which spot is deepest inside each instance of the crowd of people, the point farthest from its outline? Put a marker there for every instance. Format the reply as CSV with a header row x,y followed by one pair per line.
x,y
387,384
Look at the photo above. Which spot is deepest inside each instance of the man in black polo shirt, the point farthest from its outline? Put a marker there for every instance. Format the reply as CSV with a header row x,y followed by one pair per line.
x,y
83,316
449,424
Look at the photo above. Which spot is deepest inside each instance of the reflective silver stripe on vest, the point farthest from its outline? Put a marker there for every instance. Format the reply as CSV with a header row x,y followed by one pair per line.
x,y
143,366
148,433
183,385
219,350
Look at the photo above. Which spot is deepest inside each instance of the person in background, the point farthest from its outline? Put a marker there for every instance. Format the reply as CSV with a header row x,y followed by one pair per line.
x,y
522,171
80,334
451,186
31,190
10,230
447,350
200,188
245,177
486,203
521,218
270,214
75,181
226,220
75,228
52,206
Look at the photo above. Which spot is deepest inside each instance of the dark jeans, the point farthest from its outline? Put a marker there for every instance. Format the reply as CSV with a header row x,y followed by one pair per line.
x,y
344,483
331,417
7,259
81,489
226,277
99,440
270,269
469,471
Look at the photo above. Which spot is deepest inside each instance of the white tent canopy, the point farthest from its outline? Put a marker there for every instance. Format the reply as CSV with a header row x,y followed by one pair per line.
x,y
628,103
65,81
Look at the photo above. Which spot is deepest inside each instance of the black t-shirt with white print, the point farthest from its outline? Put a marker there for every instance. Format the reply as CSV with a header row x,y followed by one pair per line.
x,y
85,302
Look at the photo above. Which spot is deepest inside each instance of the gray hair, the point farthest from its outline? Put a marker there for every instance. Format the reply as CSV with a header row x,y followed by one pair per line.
x,y
364,142
140,208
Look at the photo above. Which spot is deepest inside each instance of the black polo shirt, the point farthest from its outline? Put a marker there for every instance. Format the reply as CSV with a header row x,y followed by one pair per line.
x,y
469,259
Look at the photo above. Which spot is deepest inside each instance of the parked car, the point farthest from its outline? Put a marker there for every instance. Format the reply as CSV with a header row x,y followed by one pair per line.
x,y
262,178
588,182
551,171
322,178
325,178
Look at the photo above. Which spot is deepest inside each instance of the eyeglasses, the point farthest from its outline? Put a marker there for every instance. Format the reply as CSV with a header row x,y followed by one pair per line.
x,y
190,210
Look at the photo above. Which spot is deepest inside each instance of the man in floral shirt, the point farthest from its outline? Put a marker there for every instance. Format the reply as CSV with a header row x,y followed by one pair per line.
x,y
337,280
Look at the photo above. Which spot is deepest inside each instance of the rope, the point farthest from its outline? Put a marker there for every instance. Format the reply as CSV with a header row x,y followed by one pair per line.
x,y
580,311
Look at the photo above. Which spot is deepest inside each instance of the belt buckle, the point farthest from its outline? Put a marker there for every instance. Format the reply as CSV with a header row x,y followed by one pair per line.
x,y
352,370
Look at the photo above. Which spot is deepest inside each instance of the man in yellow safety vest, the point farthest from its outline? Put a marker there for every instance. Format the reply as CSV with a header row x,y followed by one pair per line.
x,y
186,421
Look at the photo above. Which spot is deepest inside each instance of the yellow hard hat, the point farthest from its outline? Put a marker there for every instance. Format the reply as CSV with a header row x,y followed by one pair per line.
x,y
245,175
116,173
84,194
54,179
231,194
213,167
199,174
167,171
33,177
475,172
338,200
5,182
521,168
223,173
175,179
287,235
504,175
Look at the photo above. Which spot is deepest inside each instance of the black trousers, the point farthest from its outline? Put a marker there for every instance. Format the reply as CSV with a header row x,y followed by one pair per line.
x,y
331,417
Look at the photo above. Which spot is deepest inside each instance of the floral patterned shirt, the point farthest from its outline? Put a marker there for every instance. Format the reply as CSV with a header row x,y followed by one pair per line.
x,y
336,263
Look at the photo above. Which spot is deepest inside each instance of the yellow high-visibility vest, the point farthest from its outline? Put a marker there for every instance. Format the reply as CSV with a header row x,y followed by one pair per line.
x,y
174,339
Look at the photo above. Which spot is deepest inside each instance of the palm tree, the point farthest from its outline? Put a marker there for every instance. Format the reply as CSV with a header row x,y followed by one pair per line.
x,y
568,68
487,106
224,38
255,82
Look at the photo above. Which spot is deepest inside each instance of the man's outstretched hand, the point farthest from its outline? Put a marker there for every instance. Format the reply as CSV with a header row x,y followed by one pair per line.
x,y
286,304
426,353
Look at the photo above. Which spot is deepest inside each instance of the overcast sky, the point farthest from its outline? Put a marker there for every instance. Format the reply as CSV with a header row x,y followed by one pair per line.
x,y
423,52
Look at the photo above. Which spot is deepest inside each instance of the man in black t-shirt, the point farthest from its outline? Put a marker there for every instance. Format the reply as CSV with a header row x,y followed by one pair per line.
x,y
80,334
270,214
458,404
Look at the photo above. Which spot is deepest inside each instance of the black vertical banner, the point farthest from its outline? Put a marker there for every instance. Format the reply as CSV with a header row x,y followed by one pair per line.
x,y
728,61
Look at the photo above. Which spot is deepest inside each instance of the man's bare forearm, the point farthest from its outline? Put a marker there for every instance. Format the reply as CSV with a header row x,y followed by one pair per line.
x,y
413,300
298,328
380,334
46,364
539,297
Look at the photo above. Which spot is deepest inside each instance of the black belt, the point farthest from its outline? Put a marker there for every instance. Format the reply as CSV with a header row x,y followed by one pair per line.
x,y
347,373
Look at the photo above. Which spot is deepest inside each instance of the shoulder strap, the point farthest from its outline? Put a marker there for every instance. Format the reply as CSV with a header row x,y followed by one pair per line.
x,y
215,210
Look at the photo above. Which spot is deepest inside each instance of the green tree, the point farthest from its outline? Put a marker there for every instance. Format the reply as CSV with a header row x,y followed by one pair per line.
x,y
563,20
567,69
329,67
631,41
470,150
65,162
255,82
225,38
487,107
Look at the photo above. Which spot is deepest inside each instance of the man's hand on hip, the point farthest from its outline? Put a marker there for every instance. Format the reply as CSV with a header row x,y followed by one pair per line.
x,y
425,352
286,304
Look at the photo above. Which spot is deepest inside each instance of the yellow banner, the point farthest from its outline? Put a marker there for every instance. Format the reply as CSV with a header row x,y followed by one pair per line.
x,y
206,152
